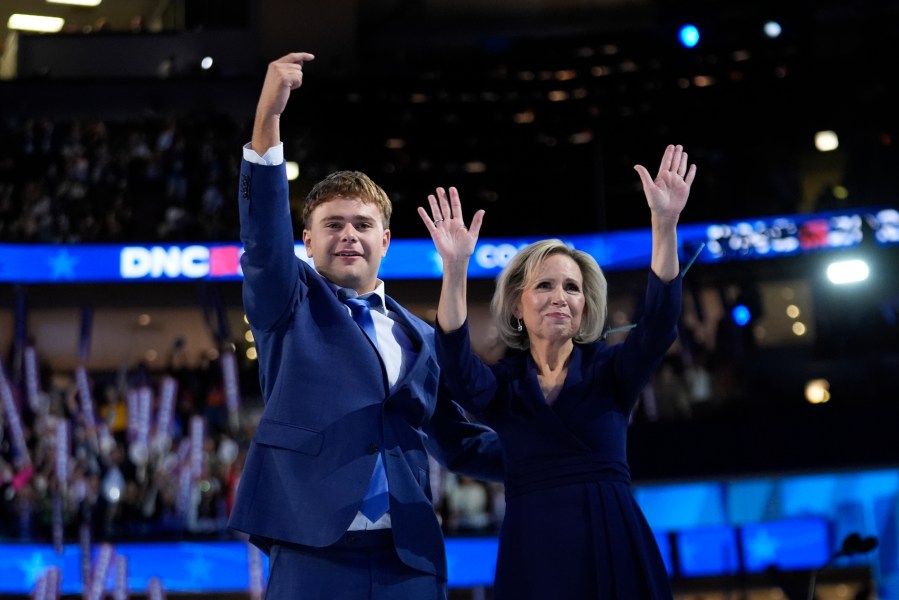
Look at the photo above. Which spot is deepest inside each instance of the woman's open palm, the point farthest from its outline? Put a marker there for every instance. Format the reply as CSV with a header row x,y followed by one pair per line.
x,y
667,193
454,242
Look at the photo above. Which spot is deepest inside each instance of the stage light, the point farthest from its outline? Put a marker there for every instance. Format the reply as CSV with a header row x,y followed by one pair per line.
x,y
826,141
688,36
36,23
741,315
772,29
847,271
206,63
793,311
817,391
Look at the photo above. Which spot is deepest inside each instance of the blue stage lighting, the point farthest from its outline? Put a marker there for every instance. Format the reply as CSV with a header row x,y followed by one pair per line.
x,y
741,314
688,35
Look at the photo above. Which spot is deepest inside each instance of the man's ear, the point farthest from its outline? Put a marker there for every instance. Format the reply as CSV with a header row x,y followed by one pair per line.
x,y
307,241
385,242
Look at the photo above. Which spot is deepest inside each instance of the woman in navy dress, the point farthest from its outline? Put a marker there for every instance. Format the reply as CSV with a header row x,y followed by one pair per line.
x,y
561,403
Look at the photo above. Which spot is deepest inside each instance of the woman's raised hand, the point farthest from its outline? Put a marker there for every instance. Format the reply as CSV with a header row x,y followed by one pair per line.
x,y
667,193
454,242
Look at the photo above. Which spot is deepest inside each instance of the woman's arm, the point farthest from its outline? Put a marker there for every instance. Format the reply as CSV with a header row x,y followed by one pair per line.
x,y
455,244
667,196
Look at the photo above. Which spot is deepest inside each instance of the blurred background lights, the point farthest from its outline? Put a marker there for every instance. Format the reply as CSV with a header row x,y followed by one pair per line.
x,y
799,328
36,23
293,170
741,314
688,36
840,192
772,29
847,271
792,311
206,63
826,141
817,391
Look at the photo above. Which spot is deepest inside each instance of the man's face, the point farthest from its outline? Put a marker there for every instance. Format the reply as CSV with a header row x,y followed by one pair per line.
x,y
346,240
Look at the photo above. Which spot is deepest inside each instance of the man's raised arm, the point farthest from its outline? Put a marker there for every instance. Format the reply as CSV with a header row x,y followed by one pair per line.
x,y
283,76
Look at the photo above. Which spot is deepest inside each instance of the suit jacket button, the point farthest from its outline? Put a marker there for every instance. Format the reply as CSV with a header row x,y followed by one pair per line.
x,y
372,448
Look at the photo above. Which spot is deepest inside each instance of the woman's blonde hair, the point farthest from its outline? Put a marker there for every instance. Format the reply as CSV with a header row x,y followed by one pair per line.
x,y
518,273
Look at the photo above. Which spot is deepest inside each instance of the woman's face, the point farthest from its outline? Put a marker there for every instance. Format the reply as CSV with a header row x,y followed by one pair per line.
x,y
552,302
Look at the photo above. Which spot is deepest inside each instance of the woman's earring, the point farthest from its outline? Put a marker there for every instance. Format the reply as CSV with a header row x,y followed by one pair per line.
x,y
520,327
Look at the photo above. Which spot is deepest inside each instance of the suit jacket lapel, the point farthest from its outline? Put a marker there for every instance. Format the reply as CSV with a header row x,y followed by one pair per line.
x,y
417,390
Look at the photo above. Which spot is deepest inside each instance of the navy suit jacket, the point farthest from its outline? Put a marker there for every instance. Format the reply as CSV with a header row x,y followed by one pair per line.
x,y
328,412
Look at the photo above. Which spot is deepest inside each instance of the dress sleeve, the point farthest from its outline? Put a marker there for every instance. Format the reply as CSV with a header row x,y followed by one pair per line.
x,y
470,381
461,445
639,356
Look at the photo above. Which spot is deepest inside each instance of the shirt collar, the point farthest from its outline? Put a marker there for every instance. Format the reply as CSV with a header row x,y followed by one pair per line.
x,y
378,291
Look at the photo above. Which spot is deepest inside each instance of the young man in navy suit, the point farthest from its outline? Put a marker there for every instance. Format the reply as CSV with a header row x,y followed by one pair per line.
x,y
353,397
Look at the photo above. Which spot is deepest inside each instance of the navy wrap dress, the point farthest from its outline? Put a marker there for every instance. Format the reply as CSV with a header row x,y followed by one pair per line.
x,y
572,528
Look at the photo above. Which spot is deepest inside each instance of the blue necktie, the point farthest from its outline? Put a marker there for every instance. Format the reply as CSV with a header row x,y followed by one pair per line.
x,y
361,311
376,500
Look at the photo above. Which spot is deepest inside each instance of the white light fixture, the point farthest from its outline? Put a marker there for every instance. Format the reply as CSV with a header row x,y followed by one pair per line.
x,y
847,271
77,2
35,23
